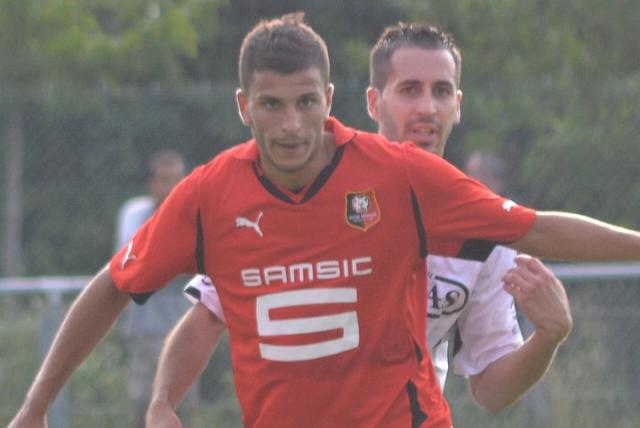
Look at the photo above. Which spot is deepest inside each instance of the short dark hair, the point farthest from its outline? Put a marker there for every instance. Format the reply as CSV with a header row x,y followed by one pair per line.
x,y
418,35
161,159
284,45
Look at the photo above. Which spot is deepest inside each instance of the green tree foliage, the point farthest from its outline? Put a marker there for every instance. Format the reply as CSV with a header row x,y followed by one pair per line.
x,y
93,41
348,27
552,86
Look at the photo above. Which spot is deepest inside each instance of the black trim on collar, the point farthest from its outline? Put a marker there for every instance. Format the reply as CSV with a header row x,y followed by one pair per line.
x,y
271,188
324,174
317,184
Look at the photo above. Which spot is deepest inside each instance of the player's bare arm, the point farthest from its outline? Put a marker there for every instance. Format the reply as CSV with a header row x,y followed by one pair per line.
x,y
184,356
566,236
542,299
81,330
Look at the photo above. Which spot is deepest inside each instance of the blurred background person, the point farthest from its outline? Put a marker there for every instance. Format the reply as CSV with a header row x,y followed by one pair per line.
x,y
488,168
146,326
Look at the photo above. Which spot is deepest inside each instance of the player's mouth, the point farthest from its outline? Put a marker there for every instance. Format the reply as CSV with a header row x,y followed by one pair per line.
x,y
290,148
423,133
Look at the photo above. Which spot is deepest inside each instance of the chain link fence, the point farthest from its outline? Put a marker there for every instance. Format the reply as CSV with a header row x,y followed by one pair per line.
x,y
70,158
594,381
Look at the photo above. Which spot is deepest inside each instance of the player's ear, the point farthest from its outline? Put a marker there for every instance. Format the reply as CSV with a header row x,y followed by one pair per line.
x,y
373,103
328,93
243,107
458,110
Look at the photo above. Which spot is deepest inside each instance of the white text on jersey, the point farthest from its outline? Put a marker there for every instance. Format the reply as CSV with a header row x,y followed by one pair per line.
x,y
305,272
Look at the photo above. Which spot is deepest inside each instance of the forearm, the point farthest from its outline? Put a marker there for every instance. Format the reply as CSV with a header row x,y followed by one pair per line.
x,y
542,299
565,236
506,380
88,320
185,355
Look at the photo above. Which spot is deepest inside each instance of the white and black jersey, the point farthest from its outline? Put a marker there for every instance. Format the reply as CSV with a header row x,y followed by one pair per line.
x,y
468,307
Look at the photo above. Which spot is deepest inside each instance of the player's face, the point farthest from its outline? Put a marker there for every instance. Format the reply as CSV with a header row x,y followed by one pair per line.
x,y
421,101
286,113
164,179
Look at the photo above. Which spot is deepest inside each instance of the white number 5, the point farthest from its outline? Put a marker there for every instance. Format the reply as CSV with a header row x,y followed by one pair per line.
x,y
347,321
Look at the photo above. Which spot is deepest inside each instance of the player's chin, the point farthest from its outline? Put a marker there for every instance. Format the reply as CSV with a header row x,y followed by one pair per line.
x,y
292,164
430,146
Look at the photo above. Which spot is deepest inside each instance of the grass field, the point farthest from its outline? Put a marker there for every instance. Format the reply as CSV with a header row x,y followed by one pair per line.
x,y
594,382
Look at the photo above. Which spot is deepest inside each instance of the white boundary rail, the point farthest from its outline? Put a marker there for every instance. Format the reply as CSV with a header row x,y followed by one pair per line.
x,y
55,286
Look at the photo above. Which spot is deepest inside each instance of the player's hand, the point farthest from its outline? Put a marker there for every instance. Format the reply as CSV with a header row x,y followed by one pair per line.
x,y
25,419
541,297
162,415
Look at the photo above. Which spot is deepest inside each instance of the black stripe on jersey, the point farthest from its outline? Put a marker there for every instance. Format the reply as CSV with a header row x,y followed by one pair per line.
x,y
140,298
476,249
200,245
193,292
418,416
419,354
422,236
457,341
313,188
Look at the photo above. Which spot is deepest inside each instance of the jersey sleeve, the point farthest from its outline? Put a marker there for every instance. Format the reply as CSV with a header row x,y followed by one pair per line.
x,y
455,206
488,328
164,246
201,289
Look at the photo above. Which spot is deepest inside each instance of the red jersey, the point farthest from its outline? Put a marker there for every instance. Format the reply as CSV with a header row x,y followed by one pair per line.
x,y
324,292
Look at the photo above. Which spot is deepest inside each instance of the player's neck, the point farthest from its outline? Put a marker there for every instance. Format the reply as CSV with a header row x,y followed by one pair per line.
x,y
298,180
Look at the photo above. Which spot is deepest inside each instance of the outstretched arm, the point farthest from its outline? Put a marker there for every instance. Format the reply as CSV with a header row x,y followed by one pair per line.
x,y
184,356
88,320
566,236
542,298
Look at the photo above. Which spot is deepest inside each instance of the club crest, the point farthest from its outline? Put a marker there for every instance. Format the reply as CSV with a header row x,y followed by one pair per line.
x,y
362,210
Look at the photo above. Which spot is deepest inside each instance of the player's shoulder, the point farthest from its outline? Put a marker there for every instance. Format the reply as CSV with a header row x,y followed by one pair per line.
x,y
239,156
378,143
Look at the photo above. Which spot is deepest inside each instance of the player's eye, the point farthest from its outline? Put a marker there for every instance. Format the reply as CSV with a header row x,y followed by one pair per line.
x,y
271,103
410,90
444,90
307,102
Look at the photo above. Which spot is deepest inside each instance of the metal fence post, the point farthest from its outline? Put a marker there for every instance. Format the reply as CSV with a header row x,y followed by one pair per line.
x,y
59,413
536,400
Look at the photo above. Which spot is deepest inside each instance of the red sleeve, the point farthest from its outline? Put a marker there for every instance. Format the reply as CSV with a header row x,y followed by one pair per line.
x,y
164,246
454,206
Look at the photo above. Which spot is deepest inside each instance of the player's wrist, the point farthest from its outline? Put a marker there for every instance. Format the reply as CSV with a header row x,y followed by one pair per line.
x,y
160,404
29,415
36,404
552,337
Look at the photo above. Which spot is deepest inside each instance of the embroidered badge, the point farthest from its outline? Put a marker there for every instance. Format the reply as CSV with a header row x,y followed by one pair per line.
x,y
362,210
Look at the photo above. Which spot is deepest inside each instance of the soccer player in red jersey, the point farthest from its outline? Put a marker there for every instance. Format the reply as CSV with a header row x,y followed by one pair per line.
x,y
414,95
315,236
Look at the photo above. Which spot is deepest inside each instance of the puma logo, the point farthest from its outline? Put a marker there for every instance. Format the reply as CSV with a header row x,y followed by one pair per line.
x,y
255,225
507,205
